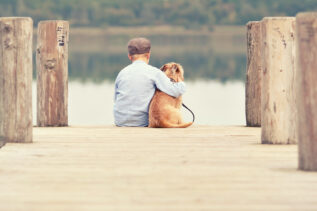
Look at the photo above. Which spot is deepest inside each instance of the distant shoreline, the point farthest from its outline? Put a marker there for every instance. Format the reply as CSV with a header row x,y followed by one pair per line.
x,y
153,30
166,29
223,39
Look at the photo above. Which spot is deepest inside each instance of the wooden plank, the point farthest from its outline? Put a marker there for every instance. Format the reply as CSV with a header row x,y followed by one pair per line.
x,y
16,79
279,113
253,75
307,90
52,73
110,168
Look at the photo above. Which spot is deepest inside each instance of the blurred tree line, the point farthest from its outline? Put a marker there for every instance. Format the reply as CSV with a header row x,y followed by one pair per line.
x,y
187,13
91,66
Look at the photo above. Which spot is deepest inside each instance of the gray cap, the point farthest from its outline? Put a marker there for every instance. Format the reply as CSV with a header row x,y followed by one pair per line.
x,y
139,45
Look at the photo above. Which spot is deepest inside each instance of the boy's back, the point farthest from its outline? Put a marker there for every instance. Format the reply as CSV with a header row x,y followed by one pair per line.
x,y
134,90
136,84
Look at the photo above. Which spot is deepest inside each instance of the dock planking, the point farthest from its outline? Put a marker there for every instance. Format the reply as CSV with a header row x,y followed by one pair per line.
x,y
112,168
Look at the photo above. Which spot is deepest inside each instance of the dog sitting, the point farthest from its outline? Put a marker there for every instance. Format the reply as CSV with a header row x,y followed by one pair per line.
x,y
164,111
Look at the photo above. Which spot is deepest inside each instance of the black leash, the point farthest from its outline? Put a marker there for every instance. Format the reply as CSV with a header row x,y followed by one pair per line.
x,y
185,105
189,111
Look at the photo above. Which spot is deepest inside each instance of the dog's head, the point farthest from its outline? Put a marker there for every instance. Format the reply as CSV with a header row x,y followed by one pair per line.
x,y
174,71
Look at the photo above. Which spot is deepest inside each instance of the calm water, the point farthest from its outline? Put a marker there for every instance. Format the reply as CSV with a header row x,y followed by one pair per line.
x,y
213,103
214,78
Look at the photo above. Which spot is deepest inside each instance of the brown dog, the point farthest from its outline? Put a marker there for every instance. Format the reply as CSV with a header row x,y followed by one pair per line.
x,y
164,110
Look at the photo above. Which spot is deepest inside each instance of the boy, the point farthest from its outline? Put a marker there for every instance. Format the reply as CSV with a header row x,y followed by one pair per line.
x,y
136,84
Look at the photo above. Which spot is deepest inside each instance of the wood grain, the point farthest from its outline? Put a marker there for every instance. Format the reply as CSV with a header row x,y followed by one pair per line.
x,y
112,168
306,24
279,113
253,75
16,79
52,73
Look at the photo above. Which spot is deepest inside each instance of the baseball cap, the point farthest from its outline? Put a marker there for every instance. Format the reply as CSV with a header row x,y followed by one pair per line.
x,y
139,45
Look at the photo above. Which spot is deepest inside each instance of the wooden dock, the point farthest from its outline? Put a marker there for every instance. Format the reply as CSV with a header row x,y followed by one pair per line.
x,y
109,168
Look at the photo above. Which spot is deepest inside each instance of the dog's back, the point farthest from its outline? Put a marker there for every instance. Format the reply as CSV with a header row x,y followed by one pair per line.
x,y
164,110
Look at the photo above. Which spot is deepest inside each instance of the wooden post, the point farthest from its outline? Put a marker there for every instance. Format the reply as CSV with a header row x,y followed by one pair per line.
x,y
16,35
52,73
278,116
254,75
306,31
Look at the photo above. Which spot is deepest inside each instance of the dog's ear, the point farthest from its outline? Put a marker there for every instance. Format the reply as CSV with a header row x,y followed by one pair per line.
x,y
163,68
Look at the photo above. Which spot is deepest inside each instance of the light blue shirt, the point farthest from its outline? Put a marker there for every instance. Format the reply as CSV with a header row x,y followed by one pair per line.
x,y
134,88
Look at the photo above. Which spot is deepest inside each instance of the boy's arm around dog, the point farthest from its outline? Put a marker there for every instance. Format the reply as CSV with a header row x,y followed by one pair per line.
x,y
164,84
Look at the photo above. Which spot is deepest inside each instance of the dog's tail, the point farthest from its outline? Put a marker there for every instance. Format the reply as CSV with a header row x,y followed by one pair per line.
x,y
167,124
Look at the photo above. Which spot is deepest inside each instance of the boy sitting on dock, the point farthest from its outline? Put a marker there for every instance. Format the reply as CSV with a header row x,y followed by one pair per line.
x,y
135,86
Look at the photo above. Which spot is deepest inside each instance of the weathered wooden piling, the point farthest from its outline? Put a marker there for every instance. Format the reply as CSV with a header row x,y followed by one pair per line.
x,y
253,75
52,73
306,31
278,107
16,35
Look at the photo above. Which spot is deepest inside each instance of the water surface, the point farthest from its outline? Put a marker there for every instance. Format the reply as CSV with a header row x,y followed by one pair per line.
x,y
213,102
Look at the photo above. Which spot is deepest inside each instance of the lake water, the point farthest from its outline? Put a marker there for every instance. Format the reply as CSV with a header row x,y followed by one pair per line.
x,y
214,75
213,102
